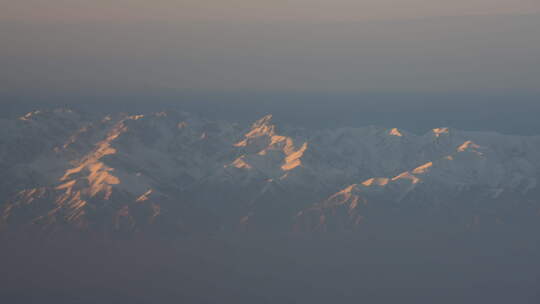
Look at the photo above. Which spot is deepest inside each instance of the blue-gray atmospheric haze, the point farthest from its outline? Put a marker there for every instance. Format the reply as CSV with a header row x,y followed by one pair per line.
x,y
470,67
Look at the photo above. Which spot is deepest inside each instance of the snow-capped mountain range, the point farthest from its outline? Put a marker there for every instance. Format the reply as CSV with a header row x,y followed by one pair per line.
x,y
179,173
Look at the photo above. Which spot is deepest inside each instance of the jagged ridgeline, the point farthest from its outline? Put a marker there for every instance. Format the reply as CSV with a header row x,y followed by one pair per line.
x,y
175,173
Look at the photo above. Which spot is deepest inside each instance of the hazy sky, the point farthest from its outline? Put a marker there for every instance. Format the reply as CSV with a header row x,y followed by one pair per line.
x,y
181,11
293,45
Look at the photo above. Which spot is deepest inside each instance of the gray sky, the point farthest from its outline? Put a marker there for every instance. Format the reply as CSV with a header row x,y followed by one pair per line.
x,y
294,45
180,11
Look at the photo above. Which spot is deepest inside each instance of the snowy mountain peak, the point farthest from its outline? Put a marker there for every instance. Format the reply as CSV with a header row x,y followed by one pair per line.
x,y
264,149
470,146
395,132
132,170
423,168
265,120
380,181
262,128
440,131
